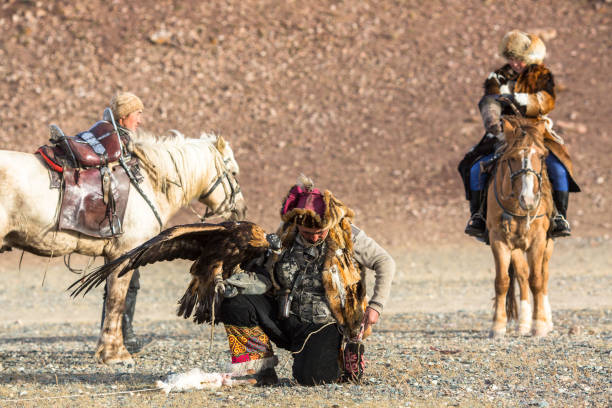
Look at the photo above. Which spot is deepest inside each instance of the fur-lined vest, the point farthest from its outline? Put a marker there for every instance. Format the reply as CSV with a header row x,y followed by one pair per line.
x,y
330,286
533,90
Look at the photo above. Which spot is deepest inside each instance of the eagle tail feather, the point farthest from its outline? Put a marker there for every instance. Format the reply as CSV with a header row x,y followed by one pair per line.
x,y
189,299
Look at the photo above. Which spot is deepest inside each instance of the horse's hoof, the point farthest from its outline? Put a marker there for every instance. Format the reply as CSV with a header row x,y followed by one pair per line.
x,y
541,329
118,356
497,333
524,329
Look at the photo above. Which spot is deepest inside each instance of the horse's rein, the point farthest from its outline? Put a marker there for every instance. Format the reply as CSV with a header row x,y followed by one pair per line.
x,y
229,199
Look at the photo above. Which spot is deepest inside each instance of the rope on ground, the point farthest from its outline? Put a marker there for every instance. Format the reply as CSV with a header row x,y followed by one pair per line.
x,y
102,394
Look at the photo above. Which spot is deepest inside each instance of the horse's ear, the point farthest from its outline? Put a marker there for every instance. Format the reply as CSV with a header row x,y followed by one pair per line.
x,y
220,145
507,126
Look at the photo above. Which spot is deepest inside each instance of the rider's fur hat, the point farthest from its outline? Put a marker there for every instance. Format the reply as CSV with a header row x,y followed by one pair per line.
x,y
124,103
522,46
308,206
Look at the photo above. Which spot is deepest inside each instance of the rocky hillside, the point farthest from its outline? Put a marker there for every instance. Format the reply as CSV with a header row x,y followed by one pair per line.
x,y
376,100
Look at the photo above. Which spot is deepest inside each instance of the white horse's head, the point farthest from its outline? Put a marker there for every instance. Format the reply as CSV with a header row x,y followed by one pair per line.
x,y
185,169
224,196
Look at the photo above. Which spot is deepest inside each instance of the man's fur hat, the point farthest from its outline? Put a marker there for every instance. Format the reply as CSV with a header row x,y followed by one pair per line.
x,y
522,46
308,206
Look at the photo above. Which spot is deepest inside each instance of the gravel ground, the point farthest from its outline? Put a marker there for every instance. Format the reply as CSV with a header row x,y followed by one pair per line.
x,y
415,359
430,348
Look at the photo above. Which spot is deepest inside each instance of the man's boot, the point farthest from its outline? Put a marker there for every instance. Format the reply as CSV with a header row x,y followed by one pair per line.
x,y
129,338
353,361
560,227
477,225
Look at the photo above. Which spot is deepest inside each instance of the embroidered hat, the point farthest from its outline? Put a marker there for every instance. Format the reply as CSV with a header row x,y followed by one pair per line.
x,y
308,206
124,103
522,46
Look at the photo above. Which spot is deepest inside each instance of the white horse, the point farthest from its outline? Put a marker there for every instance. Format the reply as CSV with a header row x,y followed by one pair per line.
x,y
176,170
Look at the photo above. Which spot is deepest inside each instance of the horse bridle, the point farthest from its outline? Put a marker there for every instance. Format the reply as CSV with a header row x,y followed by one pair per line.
x,y
219,180
513,175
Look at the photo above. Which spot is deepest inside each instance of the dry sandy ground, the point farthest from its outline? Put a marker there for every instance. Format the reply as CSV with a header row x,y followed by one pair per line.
x,y
430,349
430,280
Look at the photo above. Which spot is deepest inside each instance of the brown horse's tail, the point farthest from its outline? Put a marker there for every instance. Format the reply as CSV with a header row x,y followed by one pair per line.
x,y
511,306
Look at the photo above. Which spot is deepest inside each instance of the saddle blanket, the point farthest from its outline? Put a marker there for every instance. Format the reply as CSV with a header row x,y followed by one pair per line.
x,y
83,208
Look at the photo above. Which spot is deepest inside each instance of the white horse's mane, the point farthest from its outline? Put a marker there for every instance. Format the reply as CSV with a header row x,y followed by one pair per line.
x,y
177,164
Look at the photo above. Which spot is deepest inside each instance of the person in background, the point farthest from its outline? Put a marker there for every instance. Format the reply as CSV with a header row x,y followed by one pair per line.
x,y
127,110
526,85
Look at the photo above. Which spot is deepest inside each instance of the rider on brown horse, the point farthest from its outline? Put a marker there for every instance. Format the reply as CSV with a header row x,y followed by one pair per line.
x,y
523,85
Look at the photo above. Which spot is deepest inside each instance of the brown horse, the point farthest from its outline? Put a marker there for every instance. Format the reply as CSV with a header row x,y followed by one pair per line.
x,y
519,209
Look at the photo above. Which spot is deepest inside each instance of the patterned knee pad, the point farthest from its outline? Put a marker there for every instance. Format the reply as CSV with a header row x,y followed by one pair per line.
x,y
250,348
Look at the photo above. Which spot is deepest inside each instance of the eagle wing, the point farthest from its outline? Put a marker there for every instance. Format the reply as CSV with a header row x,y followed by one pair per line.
x,y
242,244
179,242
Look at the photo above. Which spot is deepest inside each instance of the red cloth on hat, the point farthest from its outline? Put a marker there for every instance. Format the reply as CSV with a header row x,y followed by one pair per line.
x,y
299,197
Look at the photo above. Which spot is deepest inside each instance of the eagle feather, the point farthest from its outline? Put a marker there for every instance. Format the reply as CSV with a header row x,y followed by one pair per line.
x,y
217,250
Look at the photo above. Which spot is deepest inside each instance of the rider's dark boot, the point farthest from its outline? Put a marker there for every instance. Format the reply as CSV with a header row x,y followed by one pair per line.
x,y
131,342
560,227
477,225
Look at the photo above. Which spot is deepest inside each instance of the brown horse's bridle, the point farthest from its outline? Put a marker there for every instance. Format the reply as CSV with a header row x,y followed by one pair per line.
x,y
525,169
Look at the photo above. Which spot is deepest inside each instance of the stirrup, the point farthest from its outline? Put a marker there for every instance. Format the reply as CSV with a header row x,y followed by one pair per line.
x,y
476,226
561,227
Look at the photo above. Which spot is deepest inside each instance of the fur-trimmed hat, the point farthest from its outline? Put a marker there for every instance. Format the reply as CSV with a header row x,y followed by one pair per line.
x,y
308,206
522,46
124,103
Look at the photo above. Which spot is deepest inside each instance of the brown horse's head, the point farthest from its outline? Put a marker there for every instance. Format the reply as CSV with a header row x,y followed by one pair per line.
x,y
523,162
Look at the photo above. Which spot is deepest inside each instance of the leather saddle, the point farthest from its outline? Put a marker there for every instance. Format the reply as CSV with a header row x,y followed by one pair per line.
x,y
95,184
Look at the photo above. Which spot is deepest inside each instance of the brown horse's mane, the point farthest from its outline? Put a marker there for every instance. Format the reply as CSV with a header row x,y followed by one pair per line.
x,y
525,132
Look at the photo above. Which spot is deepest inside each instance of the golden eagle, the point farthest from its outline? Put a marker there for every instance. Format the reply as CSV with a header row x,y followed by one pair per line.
x,y
217,249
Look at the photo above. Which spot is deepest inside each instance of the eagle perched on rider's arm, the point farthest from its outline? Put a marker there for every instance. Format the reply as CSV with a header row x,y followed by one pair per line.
x,y
217,249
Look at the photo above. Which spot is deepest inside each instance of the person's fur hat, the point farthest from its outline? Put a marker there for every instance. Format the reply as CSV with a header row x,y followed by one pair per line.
x,y
522,46
307,206
124,103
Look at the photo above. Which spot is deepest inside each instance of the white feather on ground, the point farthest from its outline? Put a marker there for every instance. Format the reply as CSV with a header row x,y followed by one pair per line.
x,y
198,380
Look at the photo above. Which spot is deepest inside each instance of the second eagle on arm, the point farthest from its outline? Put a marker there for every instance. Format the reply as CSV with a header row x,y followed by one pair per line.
x,y
218,250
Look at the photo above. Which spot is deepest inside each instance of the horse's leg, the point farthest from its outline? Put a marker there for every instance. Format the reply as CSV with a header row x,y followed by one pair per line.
x,y
521,269
539,286
501,253
110,349
547,311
